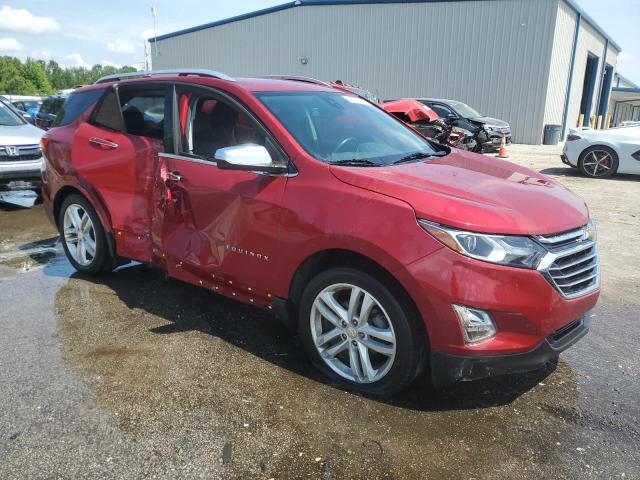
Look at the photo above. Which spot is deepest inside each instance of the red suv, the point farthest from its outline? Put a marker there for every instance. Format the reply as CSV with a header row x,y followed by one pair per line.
x,y
388,254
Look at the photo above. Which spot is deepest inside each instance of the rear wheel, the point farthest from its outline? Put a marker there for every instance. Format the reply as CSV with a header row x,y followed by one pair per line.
x,y
83,237
358,333
598,162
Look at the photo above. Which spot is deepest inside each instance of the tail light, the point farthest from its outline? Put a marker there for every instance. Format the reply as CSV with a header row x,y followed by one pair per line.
x,y
44,143
573,137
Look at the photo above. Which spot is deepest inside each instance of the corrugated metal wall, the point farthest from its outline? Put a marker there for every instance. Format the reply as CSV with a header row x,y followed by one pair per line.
x,y
494,55
560,64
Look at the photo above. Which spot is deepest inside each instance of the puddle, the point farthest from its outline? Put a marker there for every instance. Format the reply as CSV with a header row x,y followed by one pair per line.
x,y
174,360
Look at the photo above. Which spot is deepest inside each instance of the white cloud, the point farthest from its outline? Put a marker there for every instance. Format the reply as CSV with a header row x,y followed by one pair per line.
x,y
120,46
10,45
23,21
76,60
148,33
42,54
625,58
107,63
628,66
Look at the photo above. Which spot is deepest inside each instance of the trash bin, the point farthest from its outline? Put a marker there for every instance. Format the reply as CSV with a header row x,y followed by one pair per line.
x,y
552,134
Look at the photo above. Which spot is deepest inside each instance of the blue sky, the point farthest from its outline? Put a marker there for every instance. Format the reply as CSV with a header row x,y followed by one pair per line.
x,y
76,32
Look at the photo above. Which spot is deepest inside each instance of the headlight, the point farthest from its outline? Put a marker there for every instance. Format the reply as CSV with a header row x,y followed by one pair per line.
x,y
509,250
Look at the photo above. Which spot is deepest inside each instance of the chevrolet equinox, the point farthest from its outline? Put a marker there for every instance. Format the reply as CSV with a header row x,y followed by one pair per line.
x,y
389,254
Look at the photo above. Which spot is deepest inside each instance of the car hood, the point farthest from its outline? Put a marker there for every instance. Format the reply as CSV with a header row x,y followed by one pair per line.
x,y
494,122
474,192
21,135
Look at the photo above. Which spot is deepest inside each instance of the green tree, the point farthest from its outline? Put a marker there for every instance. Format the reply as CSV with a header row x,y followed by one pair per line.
x,y
11,79
37,77
33,71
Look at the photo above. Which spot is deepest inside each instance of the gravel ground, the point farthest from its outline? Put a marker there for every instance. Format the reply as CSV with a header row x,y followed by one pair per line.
x,y
133,375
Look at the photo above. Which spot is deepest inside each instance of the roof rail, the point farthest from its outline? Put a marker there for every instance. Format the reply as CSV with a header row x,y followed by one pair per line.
x,y
155,73
296,79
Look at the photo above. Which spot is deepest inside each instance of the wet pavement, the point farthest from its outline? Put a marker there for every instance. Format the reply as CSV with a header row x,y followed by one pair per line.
x,y
135,375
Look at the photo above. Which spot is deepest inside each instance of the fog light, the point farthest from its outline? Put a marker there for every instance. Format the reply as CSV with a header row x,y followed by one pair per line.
x,y
477,325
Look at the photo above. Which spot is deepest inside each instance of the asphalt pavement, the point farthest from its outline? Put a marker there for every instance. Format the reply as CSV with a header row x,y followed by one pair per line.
x,y
133,375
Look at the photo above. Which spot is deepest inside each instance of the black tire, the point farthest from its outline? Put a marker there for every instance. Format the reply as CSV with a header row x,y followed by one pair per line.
x,y
411,341
102,261
586,155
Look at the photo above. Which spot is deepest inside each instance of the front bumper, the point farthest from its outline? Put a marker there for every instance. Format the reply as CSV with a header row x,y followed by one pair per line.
x,y
494,142
525,307
28,170
447,369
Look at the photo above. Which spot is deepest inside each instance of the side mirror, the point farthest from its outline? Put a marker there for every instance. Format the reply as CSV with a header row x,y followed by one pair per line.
x,y
252,158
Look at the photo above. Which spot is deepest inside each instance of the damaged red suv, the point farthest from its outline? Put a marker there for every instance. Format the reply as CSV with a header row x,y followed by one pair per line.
x,y
390,255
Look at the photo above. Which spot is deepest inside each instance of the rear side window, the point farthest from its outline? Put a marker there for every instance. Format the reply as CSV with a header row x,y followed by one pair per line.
x,y
75,106
107,114
135,109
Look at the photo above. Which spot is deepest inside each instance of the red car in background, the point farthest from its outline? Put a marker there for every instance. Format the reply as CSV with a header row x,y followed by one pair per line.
x,y
388,254
426,121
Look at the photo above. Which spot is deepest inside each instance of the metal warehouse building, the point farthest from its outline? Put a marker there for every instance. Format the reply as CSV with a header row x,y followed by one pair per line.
x,y
529,62
625,101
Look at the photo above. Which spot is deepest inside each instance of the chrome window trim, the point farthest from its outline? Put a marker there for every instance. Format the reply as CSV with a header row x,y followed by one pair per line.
x,y
174,156
213,163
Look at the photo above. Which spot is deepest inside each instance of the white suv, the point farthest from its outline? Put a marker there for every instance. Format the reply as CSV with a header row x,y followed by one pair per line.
x,y
20,155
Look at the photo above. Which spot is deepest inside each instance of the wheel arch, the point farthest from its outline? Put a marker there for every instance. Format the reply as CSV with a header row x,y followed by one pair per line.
x,y
325,259
67,190
596,145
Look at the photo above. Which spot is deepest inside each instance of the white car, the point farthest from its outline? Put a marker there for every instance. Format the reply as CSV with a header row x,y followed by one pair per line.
x,y
602,153
20,155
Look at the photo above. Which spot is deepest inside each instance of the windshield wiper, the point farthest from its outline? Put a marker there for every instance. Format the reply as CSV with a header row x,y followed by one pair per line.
x,y
418,156
358,162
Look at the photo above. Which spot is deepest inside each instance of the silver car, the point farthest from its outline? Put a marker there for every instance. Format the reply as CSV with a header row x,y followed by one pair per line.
x,y
20,155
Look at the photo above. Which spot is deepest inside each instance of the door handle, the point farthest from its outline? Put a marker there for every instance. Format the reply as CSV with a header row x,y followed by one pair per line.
x,y
102,143
175,176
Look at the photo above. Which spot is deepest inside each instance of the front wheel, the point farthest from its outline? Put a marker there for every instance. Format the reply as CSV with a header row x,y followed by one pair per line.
x,y
83,237
358,333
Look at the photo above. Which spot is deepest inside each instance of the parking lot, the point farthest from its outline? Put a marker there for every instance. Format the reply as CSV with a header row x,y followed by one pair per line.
x,y
135,375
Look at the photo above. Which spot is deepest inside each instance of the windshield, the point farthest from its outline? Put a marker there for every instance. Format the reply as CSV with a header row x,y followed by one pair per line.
x,y
342,128
8,118
465,110
362,93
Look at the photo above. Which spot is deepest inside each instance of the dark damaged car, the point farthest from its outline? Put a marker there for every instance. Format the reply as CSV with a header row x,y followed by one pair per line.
x,y
487,131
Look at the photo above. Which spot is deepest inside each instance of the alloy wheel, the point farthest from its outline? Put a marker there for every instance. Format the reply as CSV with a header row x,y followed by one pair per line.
x,y
79,234
598,163
352,333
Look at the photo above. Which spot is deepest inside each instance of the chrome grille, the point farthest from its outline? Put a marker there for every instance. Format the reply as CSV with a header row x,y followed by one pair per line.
x,y
502,129
572,264
19,153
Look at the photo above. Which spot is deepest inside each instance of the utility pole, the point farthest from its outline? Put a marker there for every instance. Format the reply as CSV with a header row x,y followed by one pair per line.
x,y
154,13
146,56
